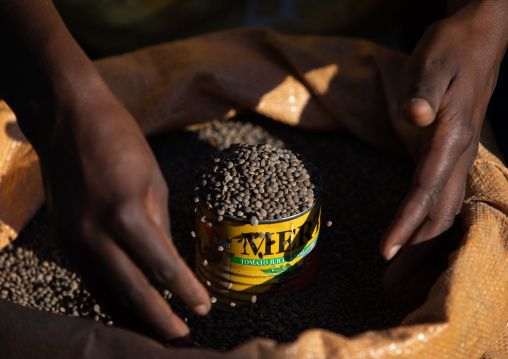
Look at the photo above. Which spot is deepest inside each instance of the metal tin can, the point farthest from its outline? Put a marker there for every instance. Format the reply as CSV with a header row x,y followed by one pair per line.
x,y
238,261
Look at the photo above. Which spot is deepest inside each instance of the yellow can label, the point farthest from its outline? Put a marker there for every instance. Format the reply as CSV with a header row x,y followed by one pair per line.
x,y
247,255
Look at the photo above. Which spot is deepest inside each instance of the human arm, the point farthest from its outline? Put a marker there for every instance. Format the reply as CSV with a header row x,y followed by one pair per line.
x,y
105,194
30,333
450,78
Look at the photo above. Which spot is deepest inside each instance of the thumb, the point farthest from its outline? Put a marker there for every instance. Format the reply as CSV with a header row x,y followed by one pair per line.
x,y
426,84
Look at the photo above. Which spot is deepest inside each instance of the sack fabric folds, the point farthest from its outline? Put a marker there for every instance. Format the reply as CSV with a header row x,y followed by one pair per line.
x,y
317,83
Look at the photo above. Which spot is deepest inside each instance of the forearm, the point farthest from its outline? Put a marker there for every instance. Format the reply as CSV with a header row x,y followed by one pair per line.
x,y
28,333
42,68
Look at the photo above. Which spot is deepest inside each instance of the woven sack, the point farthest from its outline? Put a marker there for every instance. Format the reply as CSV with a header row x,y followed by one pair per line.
x,y
316,83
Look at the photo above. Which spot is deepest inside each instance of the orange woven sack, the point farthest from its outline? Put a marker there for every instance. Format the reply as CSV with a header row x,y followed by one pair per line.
x,y
316,83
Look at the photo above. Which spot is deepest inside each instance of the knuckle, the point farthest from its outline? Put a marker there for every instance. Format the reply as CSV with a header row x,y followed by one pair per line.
x,y
467,134
164,273
434,62
161,323
87,228
444,220
433,195
430,195
447,222
124,216
130,298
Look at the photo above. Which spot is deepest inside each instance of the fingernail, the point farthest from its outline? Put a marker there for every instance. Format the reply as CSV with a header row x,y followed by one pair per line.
x,y
393,251
418,100
200,309
185,341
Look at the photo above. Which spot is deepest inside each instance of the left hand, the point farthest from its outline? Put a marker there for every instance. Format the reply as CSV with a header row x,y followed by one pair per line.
x,y
451,76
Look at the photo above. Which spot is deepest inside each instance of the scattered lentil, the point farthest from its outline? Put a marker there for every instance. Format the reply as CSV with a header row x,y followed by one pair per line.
x,y
367,183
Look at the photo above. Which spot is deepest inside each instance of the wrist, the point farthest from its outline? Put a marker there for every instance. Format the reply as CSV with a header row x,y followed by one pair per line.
x,y
43,69
488,18
43,109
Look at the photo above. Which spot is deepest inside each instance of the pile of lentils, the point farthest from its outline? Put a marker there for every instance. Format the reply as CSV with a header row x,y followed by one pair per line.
x,y
257,182
363,187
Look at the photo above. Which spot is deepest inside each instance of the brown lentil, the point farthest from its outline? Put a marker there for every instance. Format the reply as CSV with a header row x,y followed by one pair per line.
x,y
363,188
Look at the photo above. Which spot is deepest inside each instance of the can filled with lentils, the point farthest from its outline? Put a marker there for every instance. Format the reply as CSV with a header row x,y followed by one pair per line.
x,y
258,217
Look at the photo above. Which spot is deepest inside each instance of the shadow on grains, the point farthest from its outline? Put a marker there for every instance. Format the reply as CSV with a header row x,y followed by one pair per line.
x,y
363,187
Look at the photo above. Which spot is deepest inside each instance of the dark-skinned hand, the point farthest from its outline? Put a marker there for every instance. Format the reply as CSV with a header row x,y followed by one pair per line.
x,y
108,206
450,78
107,199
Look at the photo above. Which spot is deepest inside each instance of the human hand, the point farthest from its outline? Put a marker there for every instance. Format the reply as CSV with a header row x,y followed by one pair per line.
x,y
105,194
107,202
450,78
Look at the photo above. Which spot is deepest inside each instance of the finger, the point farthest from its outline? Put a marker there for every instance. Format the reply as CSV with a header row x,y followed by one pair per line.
x,y
431,234
427,83
158,202
431,175
127,294
413,256
153,251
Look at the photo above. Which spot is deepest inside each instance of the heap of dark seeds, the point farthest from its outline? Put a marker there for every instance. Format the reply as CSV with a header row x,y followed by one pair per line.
x,y
257,182
363,188
223,134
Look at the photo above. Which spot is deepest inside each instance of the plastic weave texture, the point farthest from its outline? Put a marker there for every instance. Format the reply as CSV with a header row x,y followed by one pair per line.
x,y
316,83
